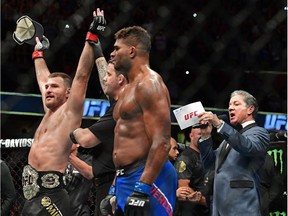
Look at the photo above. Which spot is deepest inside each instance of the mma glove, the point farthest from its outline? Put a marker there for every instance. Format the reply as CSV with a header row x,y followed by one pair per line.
x,y
97,26
96,48
42,45
106,203
138,202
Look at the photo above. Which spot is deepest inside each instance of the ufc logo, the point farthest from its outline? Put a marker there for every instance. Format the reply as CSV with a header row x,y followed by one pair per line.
x,y
190,115
134,202
27,180
100,28
120,172
277,122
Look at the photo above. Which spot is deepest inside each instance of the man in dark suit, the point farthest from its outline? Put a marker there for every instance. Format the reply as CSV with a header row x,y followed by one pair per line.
x,y
238,160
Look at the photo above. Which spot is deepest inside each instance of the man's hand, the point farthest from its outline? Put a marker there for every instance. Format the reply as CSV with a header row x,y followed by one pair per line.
x,y
97,26
138,202
182,193
99,23
195,196
97,49
44,44
108,204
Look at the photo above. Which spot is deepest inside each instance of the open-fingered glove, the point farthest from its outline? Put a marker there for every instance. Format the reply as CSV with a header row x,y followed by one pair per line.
x,y
97,49
107,202
40,46
44,44
97,26
138,202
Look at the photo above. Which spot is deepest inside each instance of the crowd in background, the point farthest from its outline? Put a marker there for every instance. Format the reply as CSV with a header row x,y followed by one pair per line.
x,y
216,50
240,43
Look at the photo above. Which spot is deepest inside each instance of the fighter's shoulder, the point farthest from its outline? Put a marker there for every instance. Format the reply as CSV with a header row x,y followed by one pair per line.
x,y
150,78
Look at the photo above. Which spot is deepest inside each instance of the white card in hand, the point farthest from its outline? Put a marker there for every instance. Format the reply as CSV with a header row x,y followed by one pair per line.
x,y
186,116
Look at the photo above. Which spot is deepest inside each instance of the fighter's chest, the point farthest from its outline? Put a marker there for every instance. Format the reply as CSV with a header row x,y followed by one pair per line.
x,y
50,123
127,106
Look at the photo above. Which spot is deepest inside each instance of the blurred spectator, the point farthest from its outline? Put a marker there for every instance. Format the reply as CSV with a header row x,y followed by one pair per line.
x,y
191,179
7,190
231,23
270,186
174,152
79,181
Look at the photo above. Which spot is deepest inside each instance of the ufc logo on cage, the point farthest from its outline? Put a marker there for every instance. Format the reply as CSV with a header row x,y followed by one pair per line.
x,y
134,202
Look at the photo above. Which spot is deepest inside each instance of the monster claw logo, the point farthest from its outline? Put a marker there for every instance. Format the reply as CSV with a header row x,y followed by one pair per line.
x,y
277,213
277,155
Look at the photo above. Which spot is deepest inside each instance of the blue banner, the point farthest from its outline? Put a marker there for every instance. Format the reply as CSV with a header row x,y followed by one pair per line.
x,y
31,104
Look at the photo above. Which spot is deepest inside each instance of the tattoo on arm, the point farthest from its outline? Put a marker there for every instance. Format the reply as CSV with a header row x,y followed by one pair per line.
x,y
102,68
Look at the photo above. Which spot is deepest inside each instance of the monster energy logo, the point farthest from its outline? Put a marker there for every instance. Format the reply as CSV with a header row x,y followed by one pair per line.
x,y
277,154
277,213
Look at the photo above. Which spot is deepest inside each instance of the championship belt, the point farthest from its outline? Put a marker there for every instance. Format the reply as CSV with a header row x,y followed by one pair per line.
x,y
29,182
34,181
50,181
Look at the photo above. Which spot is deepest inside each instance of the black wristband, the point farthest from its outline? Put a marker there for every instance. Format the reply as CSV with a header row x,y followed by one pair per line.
x,y
72,137
96,49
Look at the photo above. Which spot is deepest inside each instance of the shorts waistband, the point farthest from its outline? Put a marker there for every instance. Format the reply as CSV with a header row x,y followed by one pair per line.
x,y
35,182
126,170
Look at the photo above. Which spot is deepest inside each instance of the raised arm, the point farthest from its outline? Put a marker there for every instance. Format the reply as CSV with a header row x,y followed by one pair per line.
x,y
100,60
41,69
85,65
84,136
101,64
80,81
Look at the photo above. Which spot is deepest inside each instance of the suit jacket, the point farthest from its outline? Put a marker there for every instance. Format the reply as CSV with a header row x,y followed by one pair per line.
x,y
236,182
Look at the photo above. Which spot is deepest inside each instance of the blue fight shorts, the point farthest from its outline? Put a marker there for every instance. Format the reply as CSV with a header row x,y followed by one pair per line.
x,y
162,194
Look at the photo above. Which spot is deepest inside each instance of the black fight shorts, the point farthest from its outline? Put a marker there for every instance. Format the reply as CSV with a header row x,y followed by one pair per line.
x,y
45,194
48,204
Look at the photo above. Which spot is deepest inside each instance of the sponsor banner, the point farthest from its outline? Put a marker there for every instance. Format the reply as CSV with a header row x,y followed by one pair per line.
x,y
16,143
20,104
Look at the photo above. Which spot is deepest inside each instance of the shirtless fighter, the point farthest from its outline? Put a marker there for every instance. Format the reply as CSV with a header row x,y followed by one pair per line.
x,y
43,184
145,177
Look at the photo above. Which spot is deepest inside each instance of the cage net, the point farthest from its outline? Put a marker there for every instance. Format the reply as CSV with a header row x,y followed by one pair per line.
x,y
203,50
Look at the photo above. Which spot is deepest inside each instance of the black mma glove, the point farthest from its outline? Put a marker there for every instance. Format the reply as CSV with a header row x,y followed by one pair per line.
x,y
97,26
96,49
138,203
44,44
106,203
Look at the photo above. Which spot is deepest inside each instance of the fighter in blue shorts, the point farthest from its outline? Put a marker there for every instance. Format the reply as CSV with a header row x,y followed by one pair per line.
x,y
161,194
146,182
